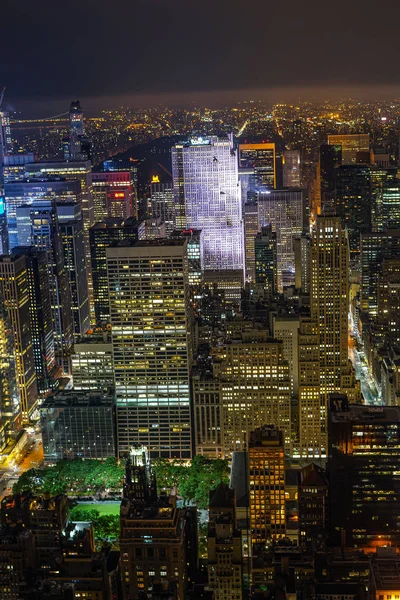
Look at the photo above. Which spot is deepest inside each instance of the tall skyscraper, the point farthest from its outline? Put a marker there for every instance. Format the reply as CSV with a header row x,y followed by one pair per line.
x,y
250,231
46,236
151,338
390,209
102,235
14,287
323,346
207,197
162,203
114,194
291,169
389,299
286,329
261,158
266,270
10,418
76,131
81,171
208,434
255,389
355,146
73,243
375,248
353,202
40,316
284,210
195,259
330,158
301,247
364,453
266,454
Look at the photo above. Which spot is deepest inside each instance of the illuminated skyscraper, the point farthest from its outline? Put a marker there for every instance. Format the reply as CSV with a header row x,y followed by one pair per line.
x,y
151,338
162,203
301,247
40,316
389,299
354,146
207,414
10,418
323,343
207,197
14,166
102,235
375,248
92,363
250,231
81,171
267,485
14,287
286,329
261,158
255,389
73,243
30,191
113,194
76,130
46,236
391,205
284,210
291,169
195,259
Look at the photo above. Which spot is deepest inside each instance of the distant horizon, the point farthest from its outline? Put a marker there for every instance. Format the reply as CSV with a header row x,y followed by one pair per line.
x,y
42,107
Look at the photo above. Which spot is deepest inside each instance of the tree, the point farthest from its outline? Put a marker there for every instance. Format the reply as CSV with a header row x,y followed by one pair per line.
x,y
192,481
86,477
106,527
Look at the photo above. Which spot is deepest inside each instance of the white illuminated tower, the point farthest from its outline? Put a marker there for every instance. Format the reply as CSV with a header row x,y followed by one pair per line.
x,y
207,197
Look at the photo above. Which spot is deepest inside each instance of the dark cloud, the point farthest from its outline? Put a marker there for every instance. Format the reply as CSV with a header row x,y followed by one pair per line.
x,y
60,49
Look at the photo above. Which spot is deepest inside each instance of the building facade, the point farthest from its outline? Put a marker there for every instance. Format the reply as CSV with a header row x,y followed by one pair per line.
x,y
151,339
14,285
266,459
207,197
78,424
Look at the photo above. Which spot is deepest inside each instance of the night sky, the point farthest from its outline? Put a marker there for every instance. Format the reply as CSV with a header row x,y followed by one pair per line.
x,y
157,50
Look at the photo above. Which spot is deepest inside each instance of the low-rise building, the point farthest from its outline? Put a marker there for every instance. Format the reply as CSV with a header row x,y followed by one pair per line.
x,y
78,424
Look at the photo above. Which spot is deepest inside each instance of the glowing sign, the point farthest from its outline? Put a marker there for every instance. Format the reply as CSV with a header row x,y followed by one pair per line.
x,y
199,141
155,179
119,195
2,205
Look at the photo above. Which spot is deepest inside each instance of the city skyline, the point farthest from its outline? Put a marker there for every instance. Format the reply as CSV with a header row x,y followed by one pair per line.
x,y
262,48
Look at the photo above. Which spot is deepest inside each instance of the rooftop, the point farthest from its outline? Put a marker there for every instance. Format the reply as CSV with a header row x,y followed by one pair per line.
x,y
78,399
366,414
